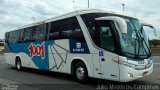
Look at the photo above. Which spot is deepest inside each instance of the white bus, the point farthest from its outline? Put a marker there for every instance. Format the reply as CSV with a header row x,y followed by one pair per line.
x,y
86,43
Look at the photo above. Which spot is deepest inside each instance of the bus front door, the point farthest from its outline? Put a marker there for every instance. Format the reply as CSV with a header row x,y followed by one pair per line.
x,y
109,65
108,59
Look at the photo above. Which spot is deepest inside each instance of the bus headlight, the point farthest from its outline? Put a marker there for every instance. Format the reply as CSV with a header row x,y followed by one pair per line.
x,y
130,75
127,64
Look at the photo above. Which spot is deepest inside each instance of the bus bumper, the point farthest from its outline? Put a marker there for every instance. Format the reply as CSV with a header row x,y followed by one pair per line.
x,y
128,74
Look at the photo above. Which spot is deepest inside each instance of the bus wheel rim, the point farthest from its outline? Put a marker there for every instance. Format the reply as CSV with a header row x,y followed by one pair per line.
x,y
80,73
18,65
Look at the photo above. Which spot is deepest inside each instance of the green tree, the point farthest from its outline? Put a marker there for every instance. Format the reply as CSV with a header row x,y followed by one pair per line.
x,y
154,42
1,44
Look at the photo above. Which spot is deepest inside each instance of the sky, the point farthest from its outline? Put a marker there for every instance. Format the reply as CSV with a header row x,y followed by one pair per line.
x,y
16,13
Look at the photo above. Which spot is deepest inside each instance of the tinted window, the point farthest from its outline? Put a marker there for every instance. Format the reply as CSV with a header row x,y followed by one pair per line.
x,y
35,33
105,35
14,37
66,29
28,34
21,35
6,37
100,31
40,32
89,20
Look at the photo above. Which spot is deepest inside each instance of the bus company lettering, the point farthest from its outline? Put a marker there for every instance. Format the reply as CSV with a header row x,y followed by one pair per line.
x,y
37,50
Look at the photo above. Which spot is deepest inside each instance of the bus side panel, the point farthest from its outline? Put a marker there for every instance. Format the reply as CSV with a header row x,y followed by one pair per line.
x,y
63,52
10,58
26,60
58,54
10,55
32,54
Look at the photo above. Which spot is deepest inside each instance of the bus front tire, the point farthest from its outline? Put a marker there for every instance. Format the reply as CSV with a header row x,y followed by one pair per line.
x,y
80,72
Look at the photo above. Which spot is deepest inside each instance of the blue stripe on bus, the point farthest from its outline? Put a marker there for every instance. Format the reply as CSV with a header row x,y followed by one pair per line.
x,y
42,61
38,60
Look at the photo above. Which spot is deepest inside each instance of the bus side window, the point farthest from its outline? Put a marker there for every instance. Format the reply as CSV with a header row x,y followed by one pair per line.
x,y
66,29
40,32
106,37
21,39
54,30
106,40
89,20
28,34
6,37
13,37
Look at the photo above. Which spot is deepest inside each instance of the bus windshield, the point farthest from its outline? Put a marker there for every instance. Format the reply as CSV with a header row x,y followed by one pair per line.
x,y
133,43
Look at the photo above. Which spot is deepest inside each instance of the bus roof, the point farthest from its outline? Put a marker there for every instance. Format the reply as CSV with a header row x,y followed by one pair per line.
x,y
74,13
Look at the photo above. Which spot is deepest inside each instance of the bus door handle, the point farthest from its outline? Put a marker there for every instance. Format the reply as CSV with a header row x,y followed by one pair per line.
x,y
102,59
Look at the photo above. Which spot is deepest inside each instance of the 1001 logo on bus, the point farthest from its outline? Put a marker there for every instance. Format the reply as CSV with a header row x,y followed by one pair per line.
x,y
37,50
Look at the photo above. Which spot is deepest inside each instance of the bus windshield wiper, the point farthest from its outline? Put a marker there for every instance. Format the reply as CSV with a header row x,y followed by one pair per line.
x,y
142,39
141,43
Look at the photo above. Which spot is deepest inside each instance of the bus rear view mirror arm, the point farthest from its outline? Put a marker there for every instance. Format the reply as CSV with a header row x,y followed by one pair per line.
x,y
122,24
149,25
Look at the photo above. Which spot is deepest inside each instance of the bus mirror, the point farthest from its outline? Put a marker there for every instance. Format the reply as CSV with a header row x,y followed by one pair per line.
x,y
122,23
149,25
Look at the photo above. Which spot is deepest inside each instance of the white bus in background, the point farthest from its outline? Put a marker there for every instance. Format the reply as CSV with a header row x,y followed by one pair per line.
x,y
86,43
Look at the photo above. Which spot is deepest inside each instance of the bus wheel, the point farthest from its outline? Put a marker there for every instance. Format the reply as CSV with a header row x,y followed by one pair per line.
x,y
18,64
80,72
